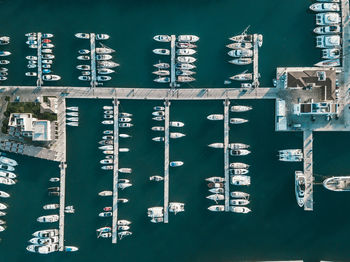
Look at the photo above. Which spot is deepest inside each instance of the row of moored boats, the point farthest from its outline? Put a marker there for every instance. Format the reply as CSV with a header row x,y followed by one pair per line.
x,y
4,40
72,116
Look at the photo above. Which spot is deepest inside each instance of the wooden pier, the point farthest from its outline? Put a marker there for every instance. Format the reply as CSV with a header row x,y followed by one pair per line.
x,y
166,162
255,61
93,59
172,62
39,82
226,154
115,172
308,169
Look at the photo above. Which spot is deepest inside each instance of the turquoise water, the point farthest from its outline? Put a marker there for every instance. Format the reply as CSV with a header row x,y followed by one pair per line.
x,y
276,229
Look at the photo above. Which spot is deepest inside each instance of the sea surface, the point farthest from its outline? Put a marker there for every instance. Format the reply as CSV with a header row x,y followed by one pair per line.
x,y
276,229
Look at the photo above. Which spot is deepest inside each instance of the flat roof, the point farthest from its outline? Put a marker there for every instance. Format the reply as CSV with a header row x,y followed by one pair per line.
x,y
41,131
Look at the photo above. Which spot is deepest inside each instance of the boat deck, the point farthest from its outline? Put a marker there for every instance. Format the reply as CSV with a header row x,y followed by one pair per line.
x,y
166,162
226,154
172,61
115,171
39,81
255,61
93,59
308,169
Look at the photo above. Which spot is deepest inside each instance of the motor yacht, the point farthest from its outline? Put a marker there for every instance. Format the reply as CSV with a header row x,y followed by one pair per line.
x,y
329,29
44,241
239,171
158,139
239,202
238,194
216,145
331,53
176,163
187,38
158,113
337,183
105,71
241,53
238,120
175,135
162,65
4,194
156,178
83,67
215,185
184,66
328,41
125,125
300,187
185,79
82,35
176,124
239,152
239,165
107,122
184,73
51,77
239,209
51,206
217,208
103,78
54,179
162,80
325,7
106,64
291,155
105,193
329,18
161,51
238,108
103,57
186,59
215,117
125,170
162,38
46,249
240,45
124,114
45,233
105,214
238,146
157,128
7,167
215,179
241,61
185,51
104,229
102,36
71,248
240,180
176,207
48,219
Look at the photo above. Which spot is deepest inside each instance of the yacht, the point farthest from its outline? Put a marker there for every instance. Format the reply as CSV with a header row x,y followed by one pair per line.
x,y
82,35
51,77
3,78
239,108
158,139
107,122
125,170
104,229
331,53
162,65
75,114
3,73
238,146
105,235
328,41
83,57
215,179
83,67
105,71
124,185
7,167
162,80
51,206
329,29
124,114
238,194
54,179
48,219
241,53
291,155
215,185
215,117
2,228
185,51
106,147
162,38
47,35
105,214
123,228
187,38
239,165
238,120
239,152
184,66
325,7
4,194
184,73
155,212
3,206
125,125
70,248
158,113
337,183
176,207
185,79
328,18
123,200
161,51
47,249
217,208
175,135
239,202
185,45
83,51
157,128
299,187
123,234
239,209
216,197
31,57
73,108
176,163
103,57
157,220
240,180
46,233
176,124
104,50
156,178
241,61
242,38
4,40
161,72
240,45
217,190
47,45
4,62
239,171
105,193
108,167
2,213
106,161
44,241
158,118
102,37
216,145
328,63
242,77
186,59
124,149
5,53
73,123
106,64
7,174
73,119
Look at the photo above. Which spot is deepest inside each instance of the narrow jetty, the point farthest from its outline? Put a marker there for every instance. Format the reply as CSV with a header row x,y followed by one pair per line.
x,y
255,61
115,171
226,154
93,59
166,162
172,61
308,169
39,82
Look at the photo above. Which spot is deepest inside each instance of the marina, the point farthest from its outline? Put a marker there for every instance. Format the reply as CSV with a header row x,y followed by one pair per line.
x,y
115,170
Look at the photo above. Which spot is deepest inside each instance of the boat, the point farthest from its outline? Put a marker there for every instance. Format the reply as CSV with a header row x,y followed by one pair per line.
x,y
162,65
300,187
183,66
46,66
105,235
75,114
176,207
4,62
2,213
239,202
44,241
215,117
72,123
83,51
125,119
47,51
107,122
238,146
325,7
161,72
239,209
241,53
185,51
157,220
83,57
5,53
217,190
238,120
3,69
239,108
106,147
73,108
48,219
46,61
241,61
186,59
102,37
106,64
3,73
45,233
3,206
187,38
124,185
54,188
238,194
239,152
242,77
239,171
240,45
2,228
51,77
239,165
124,114
158,113
47,45
4,40
185,45
216,145
105,193
73,119
331,53
162,38
7,174
156,178
103,57
46,71
328,63
121,149
336,183
158,139
329,18
105,214
158,118
82,35
51,206
31,57
54,193
215,185
7,167
157,128
105,71
104,229
46,35
123,222
176,163
3,78
125,125
216,197
240,180
123,200
110,167
328,41
217,208
125,170
54,179
46,249
215,179
176,124
123,234
291,155
184,73
104,50
161,51
69,209
175,135
70,248
329,29
103,78
185,79
83,67
106,161
242,38
4,194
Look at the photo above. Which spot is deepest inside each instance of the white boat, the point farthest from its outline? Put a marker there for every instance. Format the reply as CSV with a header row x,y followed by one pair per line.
x,y
336,183
176,124
239,202
51,77
238,146
240,45
82,35
125,125
185,45
83,51
121,149
31,74
105,214
331,53
106,64
216,145
239,165
328,63
176,163
216,197
104,50
123,222
3,206
106,147
4,40
3,78
5,53
7,174
162,80
2,228
162,65
187,38
240,180
156,178
239,152
45,233
83,67
240,53
300,187
125,170
31,57
185,51
242,77
162,38
239,171
104,229
161,51
103,57
241,61
185,79
75,114
83,57
47,249
217,190
157,128
329,29
44,241
183,66
73,119
215,185
54,179
48,219
217,208
328,41
123,234
107,107
124,185
124,114
238,194
102,37
51,206
2,213
105,71
161,72
158,113
107,122
215,117
47,45
158,139
7,167
186,59
108,167
103,78
106,161
184,73
73,108
4,194
239,108
46,35
158,118
4,62
325,7
215,179
176,207
291,155
242,38
105,235
239,209
328,18
238,120
72,123
105,193
175,135
70,248
47,51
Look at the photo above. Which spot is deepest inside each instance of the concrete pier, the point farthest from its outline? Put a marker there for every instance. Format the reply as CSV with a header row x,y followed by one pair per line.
x,y
172,61
115,172
166,162
308,169
39,82
226,154
255,61
93,59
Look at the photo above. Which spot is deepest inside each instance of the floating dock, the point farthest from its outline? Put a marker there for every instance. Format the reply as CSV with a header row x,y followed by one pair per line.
x,y
166,162
115,172
93,59
39,82
172,62
308,170
226,154
255,61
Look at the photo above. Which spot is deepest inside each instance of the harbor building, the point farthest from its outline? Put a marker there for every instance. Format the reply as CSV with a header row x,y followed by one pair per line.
x,y
49,105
